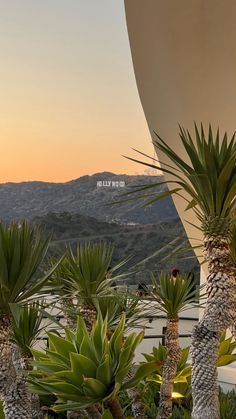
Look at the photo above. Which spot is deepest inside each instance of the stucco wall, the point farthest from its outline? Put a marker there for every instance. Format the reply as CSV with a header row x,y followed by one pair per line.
x,y
184,56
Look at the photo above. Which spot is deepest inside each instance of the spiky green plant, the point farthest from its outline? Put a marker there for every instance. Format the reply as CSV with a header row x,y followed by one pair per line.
x,y
183,370
227,405
22,251
227,349
82,369
82,276
26,327
115,304
172,295
209,181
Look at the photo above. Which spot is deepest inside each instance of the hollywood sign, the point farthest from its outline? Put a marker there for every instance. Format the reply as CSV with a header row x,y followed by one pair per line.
x,y
111,183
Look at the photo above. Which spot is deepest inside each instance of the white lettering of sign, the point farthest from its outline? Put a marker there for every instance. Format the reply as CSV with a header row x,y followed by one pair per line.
x,y
111,183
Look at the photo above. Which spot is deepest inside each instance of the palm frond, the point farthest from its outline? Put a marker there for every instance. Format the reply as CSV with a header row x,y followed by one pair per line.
x,y
22,251
26,327
174,295
209,179
84,274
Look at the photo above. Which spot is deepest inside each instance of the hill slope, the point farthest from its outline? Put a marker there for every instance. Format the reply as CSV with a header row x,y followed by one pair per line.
x,y
153,247
30,199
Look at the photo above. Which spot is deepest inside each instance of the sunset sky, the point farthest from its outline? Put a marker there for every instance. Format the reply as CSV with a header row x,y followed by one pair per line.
x,y
69,104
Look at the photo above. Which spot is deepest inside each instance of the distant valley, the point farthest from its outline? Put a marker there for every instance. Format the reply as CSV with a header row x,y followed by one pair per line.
x,y
81,210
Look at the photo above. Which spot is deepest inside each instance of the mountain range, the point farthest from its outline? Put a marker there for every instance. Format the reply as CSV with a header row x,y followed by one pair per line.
x,y
87,195
86,209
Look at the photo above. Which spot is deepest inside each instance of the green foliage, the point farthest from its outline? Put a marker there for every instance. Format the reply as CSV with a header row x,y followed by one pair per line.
x,y
226,350
113,306
233,243
227,405
22,250
82,369
174,295
159,354
26,327
1,411
128,240
209,178
84,274
183,373
180,412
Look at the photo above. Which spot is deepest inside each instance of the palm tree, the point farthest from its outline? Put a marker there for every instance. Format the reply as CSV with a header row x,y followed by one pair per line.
x,y
209,180
173,295
22,250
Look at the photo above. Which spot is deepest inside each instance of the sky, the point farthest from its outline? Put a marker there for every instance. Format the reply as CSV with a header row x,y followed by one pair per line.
x,y
69,104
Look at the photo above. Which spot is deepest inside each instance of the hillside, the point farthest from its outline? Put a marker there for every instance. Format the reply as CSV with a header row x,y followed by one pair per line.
x,y
29,199
153,247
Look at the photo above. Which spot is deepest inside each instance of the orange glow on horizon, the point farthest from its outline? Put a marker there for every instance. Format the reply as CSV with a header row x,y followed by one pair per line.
x,y
69,104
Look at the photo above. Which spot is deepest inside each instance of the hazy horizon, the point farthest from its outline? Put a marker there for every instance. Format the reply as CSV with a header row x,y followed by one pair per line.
x,y
69,102
143,173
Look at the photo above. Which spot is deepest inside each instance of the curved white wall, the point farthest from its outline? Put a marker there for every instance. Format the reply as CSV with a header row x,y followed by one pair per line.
x,y
184,57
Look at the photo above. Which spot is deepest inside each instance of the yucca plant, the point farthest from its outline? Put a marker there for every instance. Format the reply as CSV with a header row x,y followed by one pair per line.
x,y
26,327
83,369
173,295
114,305
209,181
22,250
83,277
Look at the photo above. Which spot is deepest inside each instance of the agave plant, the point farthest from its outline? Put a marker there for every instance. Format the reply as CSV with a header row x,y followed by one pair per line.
x,y
83,369
112,307
209,181
22,250
173,295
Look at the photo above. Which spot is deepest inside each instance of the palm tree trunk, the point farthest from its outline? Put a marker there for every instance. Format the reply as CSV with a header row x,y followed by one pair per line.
x,y
22,362
13,390
219,315
17,401
115,408
233,330
77,415
136,399
93,412
137,403
170,368
89,314
26,365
